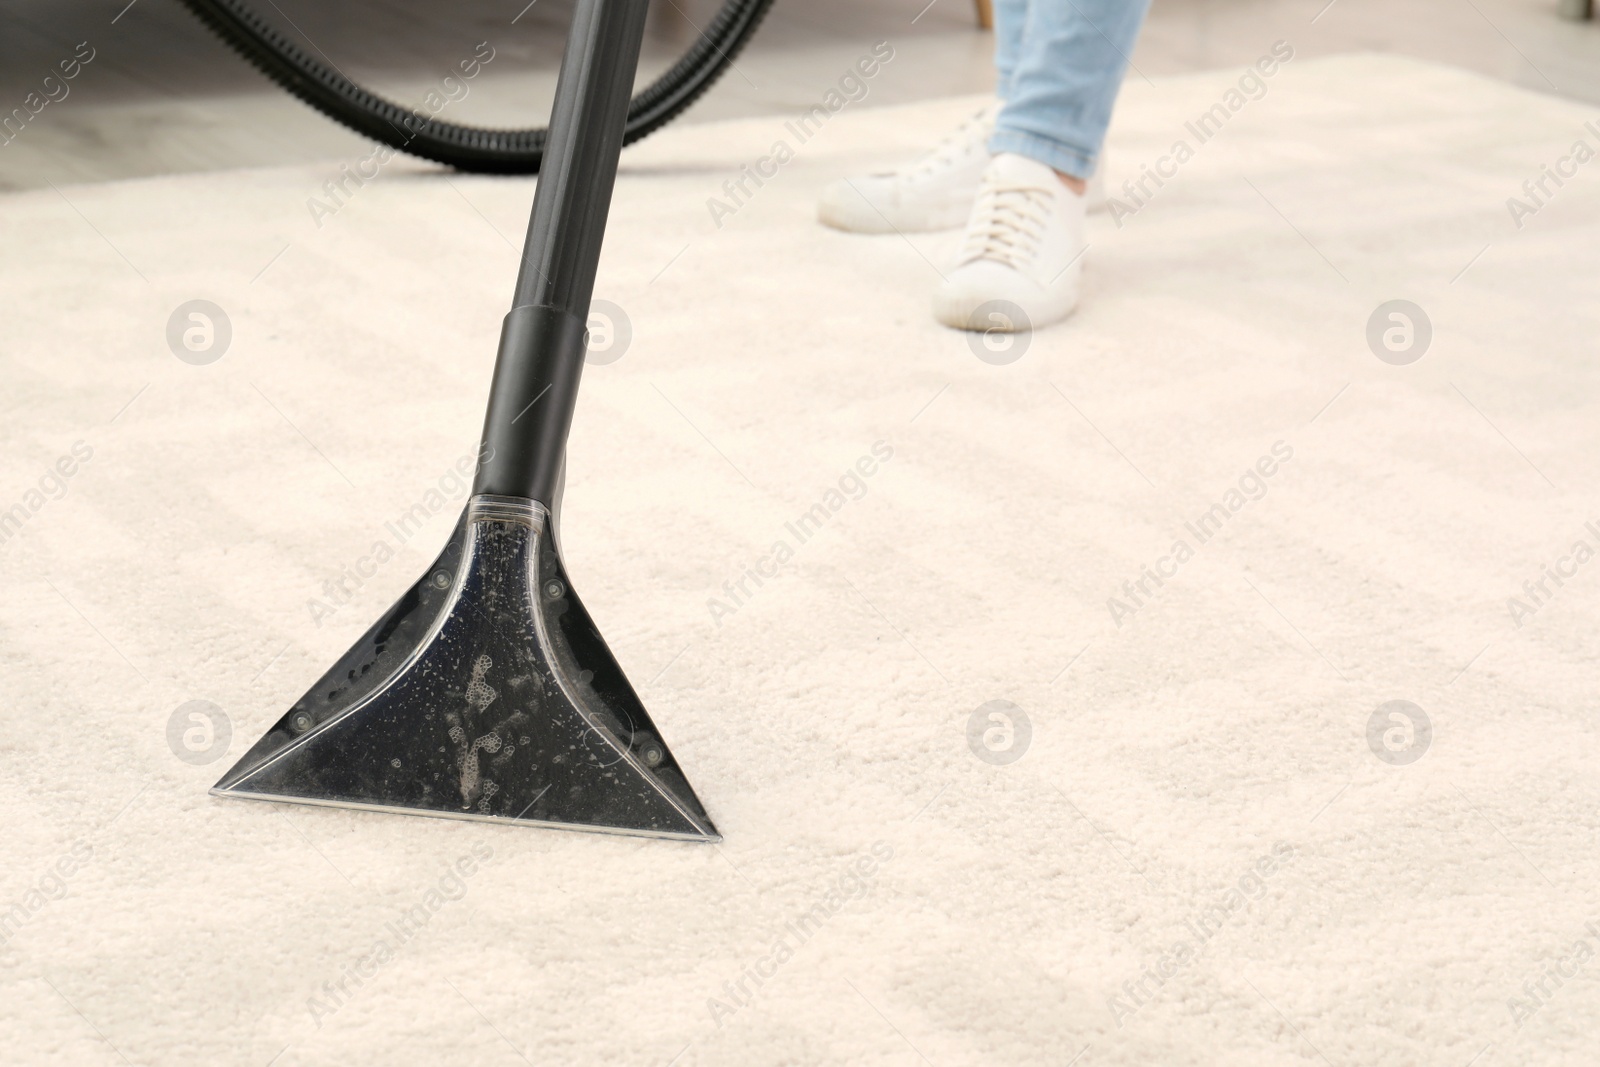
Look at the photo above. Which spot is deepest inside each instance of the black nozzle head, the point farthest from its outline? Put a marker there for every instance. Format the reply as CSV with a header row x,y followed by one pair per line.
x,y
485,693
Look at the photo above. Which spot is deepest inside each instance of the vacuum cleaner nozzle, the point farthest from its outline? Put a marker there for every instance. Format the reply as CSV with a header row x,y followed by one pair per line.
x,y
485,693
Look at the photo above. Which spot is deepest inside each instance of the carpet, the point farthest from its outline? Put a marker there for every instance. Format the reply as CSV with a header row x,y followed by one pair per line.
x,y
1205,680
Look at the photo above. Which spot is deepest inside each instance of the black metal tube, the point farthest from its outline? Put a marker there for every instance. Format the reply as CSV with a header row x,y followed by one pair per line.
x,y
542,342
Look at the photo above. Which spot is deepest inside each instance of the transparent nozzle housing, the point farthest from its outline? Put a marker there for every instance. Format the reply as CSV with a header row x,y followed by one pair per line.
x,y
485,693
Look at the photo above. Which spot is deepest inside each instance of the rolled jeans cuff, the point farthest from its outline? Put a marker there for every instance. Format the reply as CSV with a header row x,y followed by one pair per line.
x,y
1054,154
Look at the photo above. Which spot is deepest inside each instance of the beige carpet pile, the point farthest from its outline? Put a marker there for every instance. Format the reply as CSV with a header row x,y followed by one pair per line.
x,y
1200,832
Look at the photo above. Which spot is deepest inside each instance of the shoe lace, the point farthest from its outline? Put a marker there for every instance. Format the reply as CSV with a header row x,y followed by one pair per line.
x,y
1008,223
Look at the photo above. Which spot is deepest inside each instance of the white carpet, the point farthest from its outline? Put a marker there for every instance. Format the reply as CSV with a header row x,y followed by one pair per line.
x,y
1218,738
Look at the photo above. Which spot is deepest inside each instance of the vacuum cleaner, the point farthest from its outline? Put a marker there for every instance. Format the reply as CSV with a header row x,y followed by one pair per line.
x,y
486,692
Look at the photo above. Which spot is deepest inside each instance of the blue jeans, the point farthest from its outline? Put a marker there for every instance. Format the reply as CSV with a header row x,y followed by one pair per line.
x,y
1060,64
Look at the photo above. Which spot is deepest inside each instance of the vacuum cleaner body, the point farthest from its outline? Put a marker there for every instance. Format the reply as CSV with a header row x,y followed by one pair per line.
x,y
486,692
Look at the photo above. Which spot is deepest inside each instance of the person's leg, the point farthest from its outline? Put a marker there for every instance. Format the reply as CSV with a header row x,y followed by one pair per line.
x,y
1062,77
1010,16
1048,54
1021,259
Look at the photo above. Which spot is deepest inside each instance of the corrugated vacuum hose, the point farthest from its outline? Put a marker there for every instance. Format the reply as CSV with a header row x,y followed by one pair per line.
x,y
470,148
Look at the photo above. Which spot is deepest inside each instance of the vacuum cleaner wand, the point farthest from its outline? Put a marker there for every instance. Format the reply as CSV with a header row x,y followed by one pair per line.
x,y
542,341
486,692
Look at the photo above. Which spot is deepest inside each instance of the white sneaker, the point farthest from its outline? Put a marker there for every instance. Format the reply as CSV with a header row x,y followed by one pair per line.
x,y
934,192
1019,265
931,193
